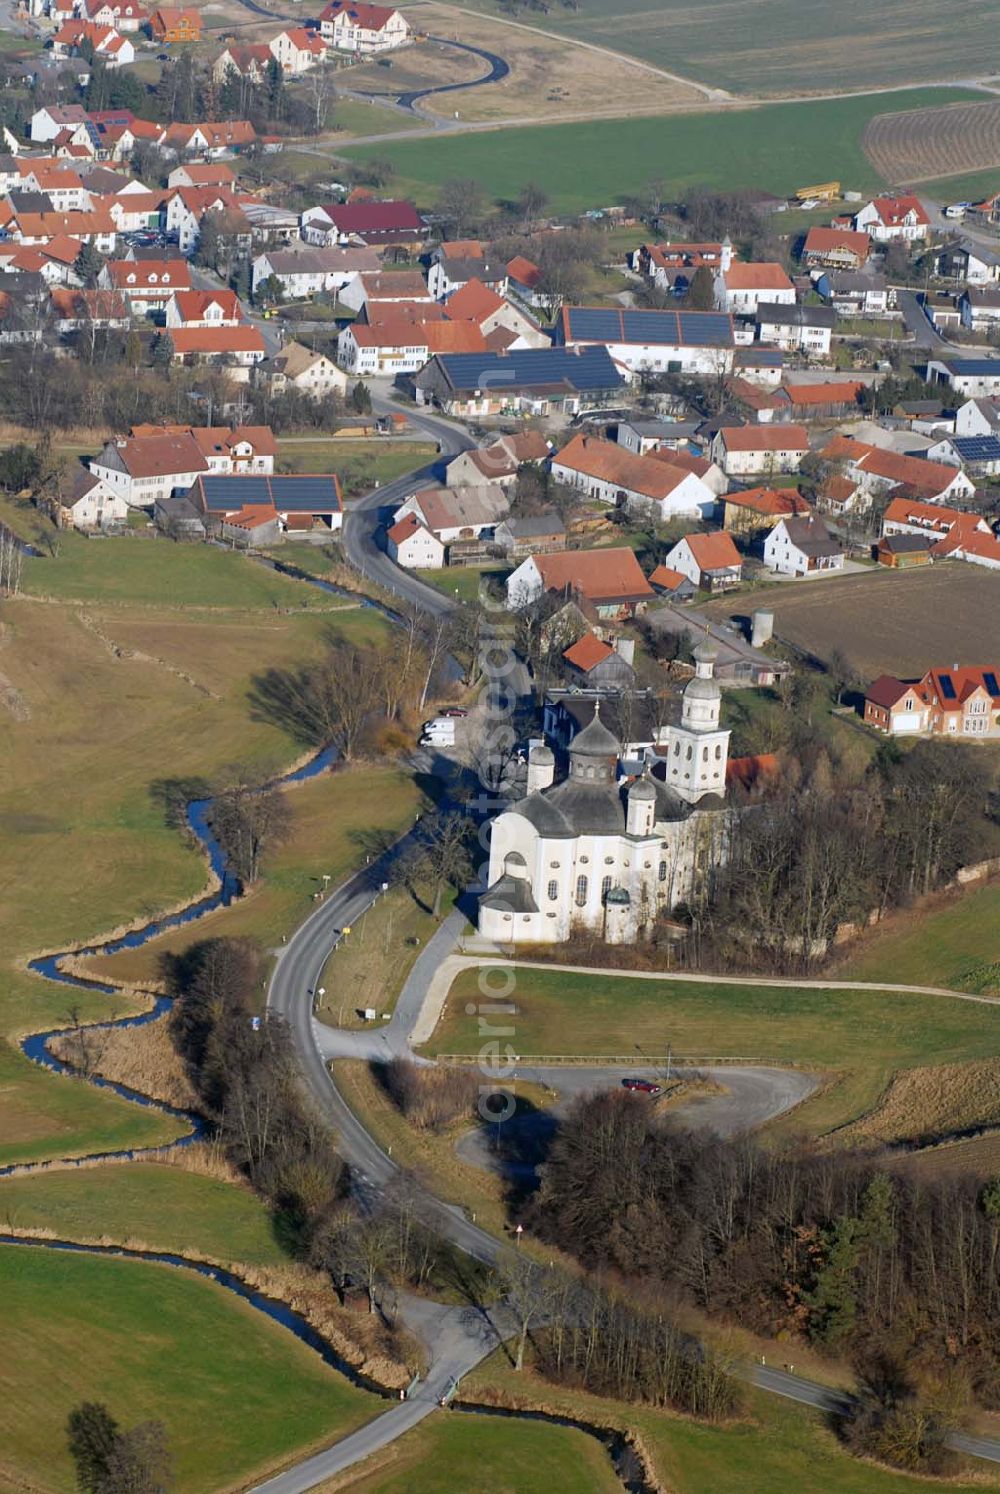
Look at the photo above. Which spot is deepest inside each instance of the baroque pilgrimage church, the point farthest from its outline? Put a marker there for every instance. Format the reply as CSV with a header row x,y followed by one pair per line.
x,y
596,853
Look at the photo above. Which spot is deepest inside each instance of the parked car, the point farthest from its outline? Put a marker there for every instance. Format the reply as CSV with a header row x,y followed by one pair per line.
x,y
641,1086
455,711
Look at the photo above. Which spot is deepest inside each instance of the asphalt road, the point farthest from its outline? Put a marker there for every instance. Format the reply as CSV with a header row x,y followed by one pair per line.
x,y
498,69
925,335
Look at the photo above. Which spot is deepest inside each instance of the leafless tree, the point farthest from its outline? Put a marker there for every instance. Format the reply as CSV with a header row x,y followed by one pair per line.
x,y
249,822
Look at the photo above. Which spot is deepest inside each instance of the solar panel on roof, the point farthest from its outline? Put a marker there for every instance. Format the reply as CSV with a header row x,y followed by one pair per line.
x,y
706,328
529,367
947,688
990,681
593,322
978,448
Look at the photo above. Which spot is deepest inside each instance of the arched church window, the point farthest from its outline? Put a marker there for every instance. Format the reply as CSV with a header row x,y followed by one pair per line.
x,y
663,871
677,749
704,754
605,888
718,752
581,891
689,752
553,891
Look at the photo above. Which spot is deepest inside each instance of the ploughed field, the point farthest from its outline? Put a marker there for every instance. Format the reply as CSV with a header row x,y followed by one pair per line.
x,y
920,145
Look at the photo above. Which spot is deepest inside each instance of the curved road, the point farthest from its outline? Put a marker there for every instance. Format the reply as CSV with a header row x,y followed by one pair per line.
x,y
498,69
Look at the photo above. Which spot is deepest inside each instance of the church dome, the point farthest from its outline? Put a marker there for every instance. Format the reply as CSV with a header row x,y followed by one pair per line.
x,y
701,689
595,740
541,756
642,789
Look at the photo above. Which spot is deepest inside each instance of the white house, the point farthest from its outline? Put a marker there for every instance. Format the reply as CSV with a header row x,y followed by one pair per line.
x,y
972,376
614,475
742,287
306,271
297,50
50,121
856,293
888,219
446,276
980,309
413,546
806,329
801,545
456,513
310,373
363,28
709,561
147,284
596,852
978,417
91,503
196,308
141,470
753,450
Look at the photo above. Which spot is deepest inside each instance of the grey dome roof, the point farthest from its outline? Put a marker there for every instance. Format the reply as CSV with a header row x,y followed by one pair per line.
x,y
514,858
698,689
706,652
541,755
595,740
540,811
642,789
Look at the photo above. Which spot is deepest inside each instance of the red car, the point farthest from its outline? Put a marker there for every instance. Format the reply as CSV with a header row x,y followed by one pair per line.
x,y
641,1086
455,711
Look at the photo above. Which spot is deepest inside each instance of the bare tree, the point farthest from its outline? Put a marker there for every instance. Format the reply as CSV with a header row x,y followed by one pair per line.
x,y
442,855
248,823
529,1290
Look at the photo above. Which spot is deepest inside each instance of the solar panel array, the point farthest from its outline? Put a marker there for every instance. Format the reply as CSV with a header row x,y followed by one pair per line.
x,y
662,328
530,368
990,681
977,448
300,495
947,687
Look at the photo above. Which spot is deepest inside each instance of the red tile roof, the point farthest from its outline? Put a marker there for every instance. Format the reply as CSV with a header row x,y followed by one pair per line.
x,y
375,217
765,437
408,525
892,210
216,340
667,579
653,477
836,392
828,240
474,302
524,271
587,652
767,276
368,17
598,575
770,502
715,551
193,304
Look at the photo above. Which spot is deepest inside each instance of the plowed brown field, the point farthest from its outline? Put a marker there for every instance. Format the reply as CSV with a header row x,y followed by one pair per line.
x,y
924,144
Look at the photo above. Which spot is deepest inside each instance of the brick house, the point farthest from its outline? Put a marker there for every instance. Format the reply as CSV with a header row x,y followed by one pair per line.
x,y
958,702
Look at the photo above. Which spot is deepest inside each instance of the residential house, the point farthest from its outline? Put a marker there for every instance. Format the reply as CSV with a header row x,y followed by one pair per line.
x,y
302,503
304,271
413,546
124,15
456,513
742,287
854,293
688,342
710,473
806,329
905,515
841,495
198,308
523,280
96,227
672,584
398,345
968,262
607,583
958,702
446,276
979,308
366,29
978,417
672,267
709,561
599,665
757,509
249,60
967,542
211,139
381,225
60,183
237,349
148,285
75,309
505,325
893,219
202,174
533,381
305,370
608,472
801,545
104,42
499,462
877,470
247,449
186,206
49,122
752,450
538,534
170,26
764,366
297,50
835,249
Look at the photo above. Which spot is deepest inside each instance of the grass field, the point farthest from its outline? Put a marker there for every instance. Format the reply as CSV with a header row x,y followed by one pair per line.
x,y
777,148
885,622
368,968
954,944
778,1445
778,47
862,1036
359,464
236,1393
485,1455
333,819
149,1205
461,581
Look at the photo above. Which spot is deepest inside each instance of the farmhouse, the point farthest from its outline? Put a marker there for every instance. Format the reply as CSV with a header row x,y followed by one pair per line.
x,y
398,345
801,545
643,436
593,853
89,503
456,513
381,225
606,583
310,373
366,29
303,271
141,470
533,381
301,503
876,470
709,561
499,462
690,342
749,450
756,509
505,325
893,219
599,665
957,702
742,287
835,249
911,516
606,471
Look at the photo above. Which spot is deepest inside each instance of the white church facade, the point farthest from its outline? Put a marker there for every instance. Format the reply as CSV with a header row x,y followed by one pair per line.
x,y
595,852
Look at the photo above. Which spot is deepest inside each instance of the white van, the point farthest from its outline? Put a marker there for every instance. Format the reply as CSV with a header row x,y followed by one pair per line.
x,y
440,732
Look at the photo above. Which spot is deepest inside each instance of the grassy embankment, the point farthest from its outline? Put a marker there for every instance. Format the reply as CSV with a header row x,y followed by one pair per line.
x,y
238,1395
862,1037
775,147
